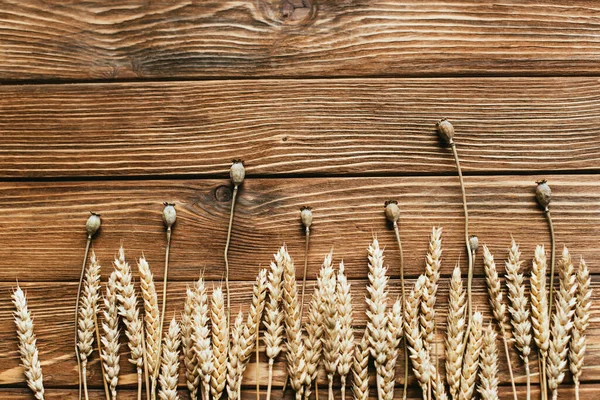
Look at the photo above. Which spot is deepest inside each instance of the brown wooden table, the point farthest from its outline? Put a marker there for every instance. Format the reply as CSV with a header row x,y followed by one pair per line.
x,y
119,106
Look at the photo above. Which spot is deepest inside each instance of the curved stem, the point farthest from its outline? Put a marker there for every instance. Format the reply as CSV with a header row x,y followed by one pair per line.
x,y
542,368
270,382
331,397
316,388
528,375
305,270
153,391
164,296
257,362
507,353
85,256
555,394
343,389
106,391
552,259
139,383
233,199
145,354
84,373
402,291
576,381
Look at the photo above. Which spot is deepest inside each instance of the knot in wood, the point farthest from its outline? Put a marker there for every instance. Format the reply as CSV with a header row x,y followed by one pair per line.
x,y
223,193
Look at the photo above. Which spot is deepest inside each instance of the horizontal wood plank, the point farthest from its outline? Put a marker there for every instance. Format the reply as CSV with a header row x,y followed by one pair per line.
x,y
43,40
43,232
291,127
52,305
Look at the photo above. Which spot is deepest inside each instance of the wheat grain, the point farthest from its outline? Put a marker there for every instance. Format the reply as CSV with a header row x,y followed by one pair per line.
x,y
456,330
419,356
360,369
488,373
344,308
296,362
394,335
110,339
432,272
273,322
220,340
27,344
562,322
169,370
471,358
519,308
581,320
234,361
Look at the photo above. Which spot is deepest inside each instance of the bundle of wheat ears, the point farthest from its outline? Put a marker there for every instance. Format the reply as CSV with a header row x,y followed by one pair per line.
x,y
214,350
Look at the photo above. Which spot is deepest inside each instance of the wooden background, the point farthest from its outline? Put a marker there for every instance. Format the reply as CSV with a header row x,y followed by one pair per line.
x,y
119,106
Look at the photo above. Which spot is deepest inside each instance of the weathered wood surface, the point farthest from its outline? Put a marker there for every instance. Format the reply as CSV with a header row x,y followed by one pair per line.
x,y
52,305
42,225
127,39
310,127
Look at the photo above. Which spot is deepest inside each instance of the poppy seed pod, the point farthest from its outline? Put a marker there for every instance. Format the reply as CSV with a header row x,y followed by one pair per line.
x,y
543,194
93,224
473,243
169,214
392,211
445,130
306,216
237,172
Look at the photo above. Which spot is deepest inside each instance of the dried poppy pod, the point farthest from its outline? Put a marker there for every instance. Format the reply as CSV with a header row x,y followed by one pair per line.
x,y
169,214
445,131
93,224
237,173
543,194
474,243
306,216
392,211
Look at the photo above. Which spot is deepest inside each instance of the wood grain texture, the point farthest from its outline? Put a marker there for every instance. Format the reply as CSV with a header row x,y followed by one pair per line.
x,y
42,225
291,127
48,40
52,306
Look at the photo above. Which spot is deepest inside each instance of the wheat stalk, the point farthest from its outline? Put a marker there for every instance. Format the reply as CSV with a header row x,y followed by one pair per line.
x,y
360,369
432,272
344,309
220,340
519,308
419,355
471,358
540,318
456,330
87,310
27,344
394,335
488,373
495,295
110,339
169,370
581,320
296,361
129,312
562,322
151,320
377,318
273,322
234,362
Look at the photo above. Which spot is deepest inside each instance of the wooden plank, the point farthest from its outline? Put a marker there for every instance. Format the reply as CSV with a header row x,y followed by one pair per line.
x,y
133,39
52,305
315,127
42,224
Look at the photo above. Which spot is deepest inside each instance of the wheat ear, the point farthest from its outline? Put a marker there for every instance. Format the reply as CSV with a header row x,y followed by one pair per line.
x,y
332,325
496,295
88,308
234,361
540,318
195,339
394,335
344,308
129,312
273,322
432,272
581,320
151,320
421,362
220,340
313,341
471,358
27,344
360,369
110,339
455,332
377,318
169,369
519,308
488,372
562,322
295,354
